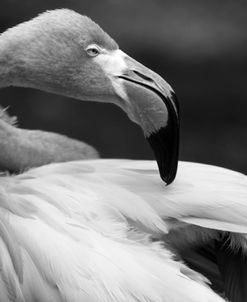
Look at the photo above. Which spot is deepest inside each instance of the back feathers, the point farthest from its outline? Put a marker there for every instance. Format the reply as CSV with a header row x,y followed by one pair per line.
x,y
79,231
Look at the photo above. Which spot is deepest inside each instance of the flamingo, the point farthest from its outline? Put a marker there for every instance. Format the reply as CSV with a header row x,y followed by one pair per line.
x,y
81,230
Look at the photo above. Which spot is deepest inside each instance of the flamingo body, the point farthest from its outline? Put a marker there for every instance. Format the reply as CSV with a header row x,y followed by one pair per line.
x,y
79,231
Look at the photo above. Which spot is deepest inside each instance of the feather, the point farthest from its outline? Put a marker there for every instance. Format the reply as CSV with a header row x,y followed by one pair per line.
x,y
78,242
233,268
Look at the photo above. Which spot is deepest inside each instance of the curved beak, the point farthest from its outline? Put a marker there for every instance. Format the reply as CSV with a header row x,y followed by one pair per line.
x,y
156,108
149,101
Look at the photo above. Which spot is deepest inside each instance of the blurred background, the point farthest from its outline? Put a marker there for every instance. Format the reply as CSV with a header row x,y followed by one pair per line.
x,y
199,47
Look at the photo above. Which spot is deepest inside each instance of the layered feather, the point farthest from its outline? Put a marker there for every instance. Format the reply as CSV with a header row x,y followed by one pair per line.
x,y
79,231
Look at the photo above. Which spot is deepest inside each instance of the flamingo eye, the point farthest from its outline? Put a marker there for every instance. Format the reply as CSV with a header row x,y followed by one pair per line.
x,y
93,50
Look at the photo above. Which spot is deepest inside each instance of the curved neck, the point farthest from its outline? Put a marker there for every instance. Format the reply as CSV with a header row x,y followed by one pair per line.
x,y
22,149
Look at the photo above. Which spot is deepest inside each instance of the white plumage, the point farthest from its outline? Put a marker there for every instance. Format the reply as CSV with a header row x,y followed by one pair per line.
x,y
202,195
78,231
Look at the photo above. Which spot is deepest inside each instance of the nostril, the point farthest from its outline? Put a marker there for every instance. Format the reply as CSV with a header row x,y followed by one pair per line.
x,y
134,74
143,76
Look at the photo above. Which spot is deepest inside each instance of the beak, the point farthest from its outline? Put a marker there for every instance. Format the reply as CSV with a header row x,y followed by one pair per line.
x,y
150,102
155,108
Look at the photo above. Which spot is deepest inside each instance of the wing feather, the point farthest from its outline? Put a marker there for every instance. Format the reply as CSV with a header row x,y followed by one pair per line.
x,y
76,241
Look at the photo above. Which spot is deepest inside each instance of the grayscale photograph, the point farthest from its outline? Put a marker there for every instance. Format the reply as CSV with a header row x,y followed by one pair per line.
x,y
123,151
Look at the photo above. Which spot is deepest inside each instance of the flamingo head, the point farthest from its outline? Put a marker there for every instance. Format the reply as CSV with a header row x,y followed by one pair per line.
x,y
63,52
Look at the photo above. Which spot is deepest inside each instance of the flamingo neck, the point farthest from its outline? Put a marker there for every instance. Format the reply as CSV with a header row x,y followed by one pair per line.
x,y
8,63
23,149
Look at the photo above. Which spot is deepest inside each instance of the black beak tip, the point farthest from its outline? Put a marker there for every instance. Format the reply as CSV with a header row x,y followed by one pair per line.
x,y
165,144
169,174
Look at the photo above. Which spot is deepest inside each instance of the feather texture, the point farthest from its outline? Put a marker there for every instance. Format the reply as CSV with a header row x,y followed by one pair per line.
x,y
65,237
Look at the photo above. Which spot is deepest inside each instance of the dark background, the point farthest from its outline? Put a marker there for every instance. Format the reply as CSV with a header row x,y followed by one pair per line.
x,y
199,47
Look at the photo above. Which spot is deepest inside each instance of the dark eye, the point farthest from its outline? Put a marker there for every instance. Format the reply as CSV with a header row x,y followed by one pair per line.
x,y
93,50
